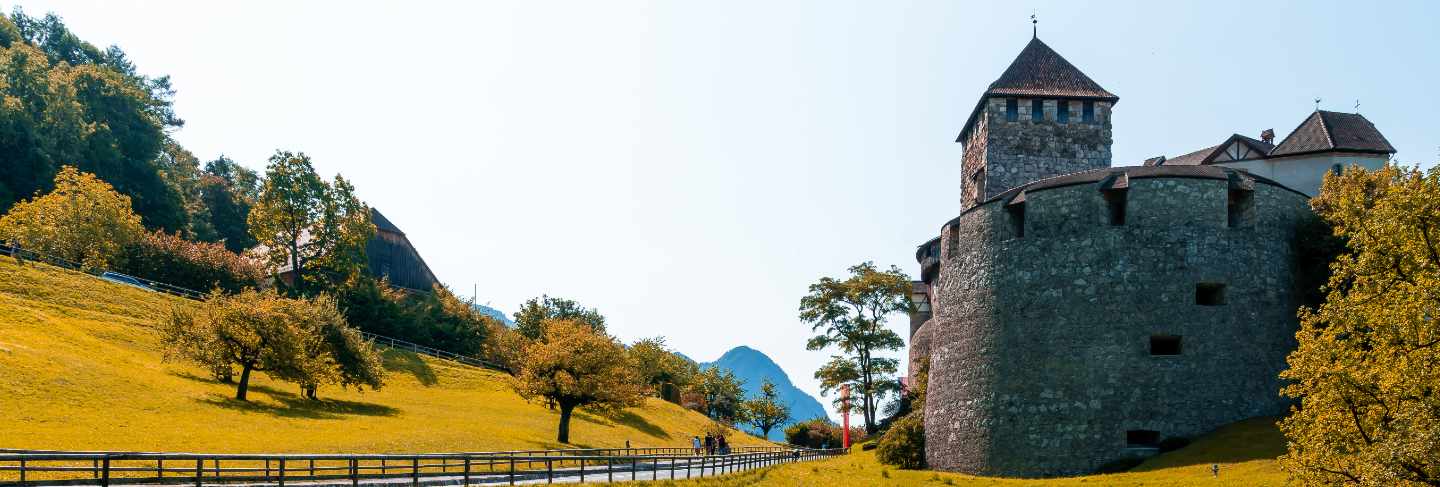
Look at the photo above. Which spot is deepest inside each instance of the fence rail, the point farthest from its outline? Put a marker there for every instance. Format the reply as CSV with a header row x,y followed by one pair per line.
x,y
53,468
157,286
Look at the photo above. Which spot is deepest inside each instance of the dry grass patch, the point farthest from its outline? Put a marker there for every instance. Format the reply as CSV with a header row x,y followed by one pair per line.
x,y
80,369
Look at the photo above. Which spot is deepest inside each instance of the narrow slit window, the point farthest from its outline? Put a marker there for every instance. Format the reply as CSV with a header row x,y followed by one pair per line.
x,y
1115,201
1012,109
1016,213
1337,169
1238,208
1037,110
1164,345
1087,112
1142,439
1209,294
1062,111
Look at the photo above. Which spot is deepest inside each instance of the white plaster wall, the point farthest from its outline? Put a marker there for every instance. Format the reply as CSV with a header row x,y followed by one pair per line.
x,y
1305,173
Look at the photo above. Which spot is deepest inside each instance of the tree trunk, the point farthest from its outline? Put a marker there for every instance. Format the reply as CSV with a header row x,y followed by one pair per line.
x,y
244,384
564,434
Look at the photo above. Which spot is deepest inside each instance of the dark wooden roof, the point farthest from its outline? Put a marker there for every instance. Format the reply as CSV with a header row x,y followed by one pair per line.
x,y
1191,159
383,224
1326,131
1040,72
1132,173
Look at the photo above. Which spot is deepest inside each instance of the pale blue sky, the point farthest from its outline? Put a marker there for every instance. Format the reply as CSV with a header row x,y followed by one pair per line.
x,y
690,167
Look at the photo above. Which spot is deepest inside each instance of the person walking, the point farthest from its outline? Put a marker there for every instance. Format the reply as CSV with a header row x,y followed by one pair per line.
x,y
724,447
709,444
695,443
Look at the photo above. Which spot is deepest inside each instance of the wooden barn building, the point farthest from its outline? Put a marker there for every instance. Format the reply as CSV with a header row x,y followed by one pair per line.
x,y
391,255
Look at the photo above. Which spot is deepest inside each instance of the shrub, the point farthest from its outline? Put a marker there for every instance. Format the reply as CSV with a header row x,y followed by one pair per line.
x,y
436,319
200,266
904,444
815,433
83,220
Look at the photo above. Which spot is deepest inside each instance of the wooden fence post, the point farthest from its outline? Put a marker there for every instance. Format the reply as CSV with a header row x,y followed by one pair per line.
x,y
414,471
512,469
354,472
199,471
105,472
280,474
467,471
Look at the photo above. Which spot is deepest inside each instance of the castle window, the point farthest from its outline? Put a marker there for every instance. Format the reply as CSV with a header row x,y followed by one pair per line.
x,y
1238,206
1087,112
1062,111
1037,110
1142,439
1012,109
1164,345
1209,294
1115,201
1016,212
1337,169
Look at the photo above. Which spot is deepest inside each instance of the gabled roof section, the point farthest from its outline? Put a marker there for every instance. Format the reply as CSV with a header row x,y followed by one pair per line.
x,y
1326,131
1040,72
383,224
1192,159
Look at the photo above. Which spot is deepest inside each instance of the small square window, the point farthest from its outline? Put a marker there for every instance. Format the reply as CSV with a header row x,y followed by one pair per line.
x,y
1142,439
1012,109
1037,110
1164,345
1062,112
1087,112
1209,294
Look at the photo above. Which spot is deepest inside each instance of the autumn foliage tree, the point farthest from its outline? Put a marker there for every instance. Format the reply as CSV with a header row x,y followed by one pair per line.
x,y
850,315
665,373
298,340
1367,369
766,411
82,220
577,366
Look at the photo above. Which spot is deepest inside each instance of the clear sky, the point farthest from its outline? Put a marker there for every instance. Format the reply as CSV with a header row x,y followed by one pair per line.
x,y
690,167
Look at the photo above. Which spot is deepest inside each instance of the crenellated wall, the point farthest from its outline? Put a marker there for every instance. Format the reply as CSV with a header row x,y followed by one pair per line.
x,y
1041,345
1001,153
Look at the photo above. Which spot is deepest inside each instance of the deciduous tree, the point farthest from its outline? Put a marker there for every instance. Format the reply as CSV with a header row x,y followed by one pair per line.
x,y
723,394
307,223
576,365
83,220
663,371
1367,369
530,319
850,315
766,411
250,330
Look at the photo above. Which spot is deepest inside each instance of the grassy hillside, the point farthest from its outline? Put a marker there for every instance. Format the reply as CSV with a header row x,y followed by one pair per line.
x,y
80,369
1244,450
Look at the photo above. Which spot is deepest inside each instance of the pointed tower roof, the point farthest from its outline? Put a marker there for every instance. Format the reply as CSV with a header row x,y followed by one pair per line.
x,y
1326,131
1040,72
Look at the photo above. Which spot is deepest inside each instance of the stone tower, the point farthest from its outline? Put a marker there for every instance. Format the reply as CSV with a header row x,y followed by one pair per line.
x,y
1042,118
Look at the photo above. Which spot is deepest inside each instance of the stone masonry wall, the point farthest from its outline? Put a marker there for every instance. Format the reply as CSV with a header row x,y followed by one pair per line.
x,y
1039,345
1024,150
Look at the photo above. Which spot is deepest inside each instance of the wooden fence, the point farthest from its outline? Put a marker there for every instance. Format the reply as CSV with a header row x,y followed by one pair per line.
x,y
54,468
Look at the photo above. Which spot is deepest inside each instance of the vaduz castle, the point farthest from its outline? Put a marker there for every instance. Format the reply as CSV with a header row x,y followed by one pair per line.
x,y
1075,313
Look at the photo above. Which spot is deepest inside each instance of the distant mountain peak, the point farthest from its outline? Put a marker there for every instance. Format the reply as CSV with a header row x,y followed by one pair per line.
x,y
754,367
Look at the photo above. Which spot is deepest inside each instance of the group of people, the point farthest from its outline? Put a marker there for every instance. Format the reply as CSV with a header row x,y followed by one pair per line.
x,y
713,444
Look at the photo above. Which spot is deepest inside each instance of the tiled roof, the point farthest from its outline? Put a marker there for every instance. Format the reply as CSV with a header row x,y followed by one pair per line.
x,y
1039,71
1191,159
1256,144
1333,131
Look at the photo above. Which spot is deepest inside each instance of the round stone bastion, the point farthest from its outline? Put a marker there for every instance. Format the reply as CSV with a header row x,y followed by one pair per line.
x,y
1090,318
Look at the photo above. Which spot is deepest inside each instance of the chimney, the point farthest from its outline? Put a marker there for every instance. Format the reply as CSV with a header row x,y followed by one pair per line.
x,y
1268,136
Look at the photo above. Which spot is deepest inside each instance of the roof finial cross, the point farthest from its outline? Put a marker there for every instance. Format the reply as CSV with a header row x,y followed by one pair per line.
x,y
1034,26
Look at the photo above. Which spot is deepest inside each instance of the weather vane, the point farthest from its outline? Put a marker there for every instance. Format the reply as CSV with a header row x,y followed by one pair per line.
x,y
1034,25
1317,103
1357,105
